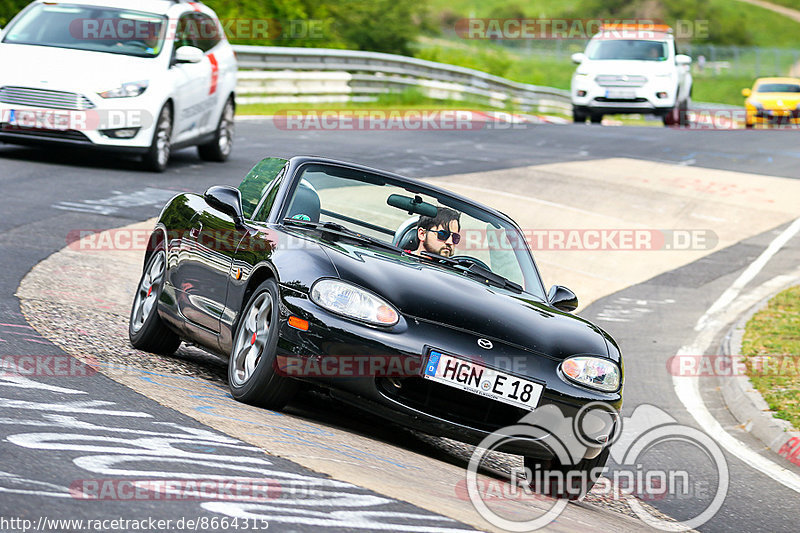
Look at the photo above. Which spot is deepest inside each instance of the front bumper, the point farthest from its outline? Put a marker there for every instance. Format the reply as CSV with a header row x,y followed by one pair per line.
x,y
590,97
91,128
428,406
773,116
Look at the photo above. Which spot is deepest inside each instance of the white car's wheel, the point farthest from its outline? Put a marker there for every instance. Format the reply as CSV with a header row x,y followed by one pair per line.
x,y
219,149
157,156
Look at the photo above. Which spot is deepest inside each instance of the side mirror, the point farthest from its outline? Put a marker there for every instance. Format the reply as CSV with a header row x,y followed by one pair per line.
x,y
189,54
746,92
683,59
578,57
225,199
562,298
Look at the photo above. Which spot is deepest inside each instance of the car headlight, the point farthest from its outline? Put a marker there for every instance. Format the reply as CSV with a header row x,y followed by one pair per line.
x,y
757,104
593,372
126,90
351,301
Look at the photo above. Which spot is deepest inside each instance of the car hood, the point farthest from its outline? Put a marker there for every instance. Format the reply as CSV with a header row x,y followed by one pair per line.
x,y
69,70
625,67
777,100
437,294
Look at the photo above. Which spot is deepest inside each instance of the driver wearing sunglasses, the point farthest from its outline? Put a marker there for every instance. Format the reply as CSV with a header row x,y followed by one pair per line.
x,y
439,234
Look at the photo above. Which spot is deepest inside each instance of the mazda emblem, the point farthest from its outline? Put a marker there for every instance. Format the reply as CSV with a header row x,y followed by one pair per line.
x,y
486,344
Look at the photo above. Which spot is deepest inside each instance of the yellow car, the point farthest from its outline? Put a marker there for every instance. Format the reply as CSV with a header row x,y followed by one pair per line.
x,y
772,101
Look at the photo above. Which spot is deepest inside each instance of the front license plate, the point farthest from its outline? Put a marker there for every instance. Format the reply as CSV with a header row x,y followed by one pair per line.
x,y
621,94
486,382
40,119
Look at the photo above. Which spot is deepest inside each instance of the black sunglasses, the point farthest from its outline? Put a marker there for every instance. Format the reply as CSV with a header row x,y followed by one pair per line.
x,y
444,234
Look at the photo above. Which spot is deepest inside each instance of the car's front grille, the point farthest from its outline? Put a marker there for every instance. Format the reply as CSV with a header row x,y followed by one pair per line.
x,y
28,96
624,100
618,80
449,403
41,133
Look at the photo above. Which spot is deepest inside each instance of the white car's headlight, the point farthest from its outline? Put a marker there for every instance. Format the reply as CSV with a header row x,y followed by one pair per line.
x,y
126,90
593,372
351,301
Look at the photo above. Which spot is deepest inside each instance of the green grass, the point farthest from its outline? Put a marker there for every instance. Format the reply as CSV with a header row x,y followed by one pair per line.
x,y
774,332
763,27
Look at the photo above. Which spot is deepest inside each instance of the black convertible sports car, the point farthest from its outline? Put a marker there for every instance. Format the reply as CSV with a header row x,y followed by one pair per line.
x,y
397,296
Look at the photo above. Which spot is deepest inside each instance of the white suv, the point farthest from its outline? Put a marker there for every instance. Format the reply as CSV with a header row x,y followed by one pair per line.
x,y
145,77
631,69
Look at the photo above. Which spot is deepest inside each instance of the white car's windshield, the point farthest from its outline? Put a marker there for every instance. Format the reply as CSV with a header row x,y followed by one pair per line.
x,y
379,209
96,29
639,50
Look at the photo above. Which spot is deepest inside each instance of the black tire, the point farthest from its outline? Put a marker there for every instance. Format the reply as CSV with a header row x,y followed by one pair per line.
x,y
578,117
157,157
596,119
220,148
683,113
749,125
260,384
146,330
559,490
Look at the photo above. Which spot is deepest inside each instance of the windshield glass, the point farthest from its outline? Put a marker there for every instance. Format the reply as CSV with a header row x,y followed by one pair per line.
x,y
778,88
96,29
394,213
627,49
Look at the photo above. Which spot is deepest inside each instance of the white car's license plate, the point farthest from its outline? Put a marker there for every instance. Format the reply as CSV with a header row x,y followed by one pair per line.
x,y
621,94
483,381
41,119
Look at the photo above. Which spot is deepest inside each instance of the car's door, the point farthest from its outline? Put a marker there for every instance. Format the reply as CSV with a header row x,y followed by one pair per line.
x,y
211,243
259,191
208,41
190,82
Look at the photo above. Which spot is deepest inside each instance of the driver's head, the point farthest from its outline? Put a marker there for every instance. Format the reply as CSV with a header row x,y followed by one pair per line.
x,y
439,234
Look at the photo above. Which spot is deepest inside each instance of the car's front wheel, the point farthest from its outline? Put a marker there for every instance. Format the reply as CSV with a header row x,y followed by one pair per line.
x,y
146,330
562,480
219,149
252,367
157,156
578,117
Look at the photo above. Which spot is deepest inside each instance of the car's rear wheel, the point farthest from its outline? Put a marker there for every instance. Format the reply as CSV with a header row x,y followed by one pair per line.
x,y
596,118
146,330
252,367
219,149
561,484
157,156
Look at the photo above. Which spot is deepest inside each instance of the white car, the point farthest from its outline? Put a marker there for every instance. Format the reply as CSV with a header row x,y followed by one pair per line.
x,y
146,77
631,69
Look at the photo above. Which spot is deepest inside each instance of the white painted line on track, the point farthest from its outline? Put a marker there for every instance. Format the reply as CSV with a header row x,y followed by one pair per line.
x,y
727,307
750,272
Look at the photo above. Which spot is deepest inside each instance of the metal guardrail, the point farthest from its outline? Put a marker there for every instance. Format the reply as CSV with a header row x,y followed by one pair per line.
x,y
271,74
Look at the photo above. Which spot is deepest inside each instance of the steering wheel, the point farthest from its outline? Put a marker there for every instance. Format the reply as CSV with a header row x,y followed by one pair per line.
x,y
472,260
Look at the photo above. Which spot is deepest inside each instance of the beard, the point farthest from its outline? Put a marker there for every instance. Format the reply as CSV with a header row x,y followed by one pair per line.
x,y
443,250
